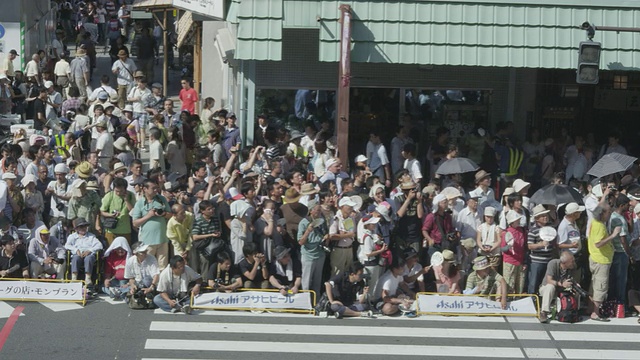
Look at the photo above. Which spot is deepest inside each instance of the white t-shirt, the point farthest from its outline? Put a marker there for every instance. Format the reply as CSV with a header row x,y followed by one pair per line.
x,y
125,71
106,88
136,92
156,154
173,284
413,166
387,282
104,145
62,68
144,272
414,270
569,233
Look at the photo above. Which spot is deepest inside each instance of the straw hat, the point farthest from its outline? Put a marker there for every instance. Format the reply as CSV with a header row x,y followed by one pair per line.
x,y
291,195
118,167
539,210
308,189
84,170
480,175
449,256
481,263
409,185
122,144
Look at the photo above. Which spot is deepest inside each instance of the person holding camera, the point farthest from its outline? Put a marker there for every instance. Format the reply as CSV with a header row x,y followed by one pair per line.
x,y
150,215
347,293
222,275
142,272
557,278
46,255
175,285
286,271
312,234
437,226
254,268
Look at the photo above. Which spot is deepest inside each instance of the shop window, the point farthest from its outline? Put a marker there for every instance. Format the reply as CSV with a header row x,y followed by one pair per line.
x,y
291,107
620,82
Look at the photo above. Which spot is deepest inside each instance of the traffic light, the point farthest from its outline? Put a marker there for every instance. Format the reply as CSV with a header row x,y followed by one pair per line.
x,y
588,62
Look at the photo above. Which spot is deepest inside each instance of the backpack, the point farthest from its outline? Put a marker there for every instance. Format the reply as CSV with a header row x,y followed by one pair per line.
x,y
568,308
323,305
608,309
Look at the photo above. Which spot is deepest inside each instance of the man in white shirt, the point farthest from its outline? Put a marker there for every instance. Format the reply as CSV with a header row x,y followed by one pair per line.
x,y
57,46
123,68
139,96
469,219
378,160
104,87
411,163
176,284
7,64
397,144
156,153
54,102
104,144
32,69
62,73
387,297
79,69
142,271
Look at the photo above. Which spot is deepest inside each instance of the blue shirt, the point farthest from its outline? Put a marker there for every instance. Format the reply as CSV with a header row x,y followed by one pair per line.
x,y
154,231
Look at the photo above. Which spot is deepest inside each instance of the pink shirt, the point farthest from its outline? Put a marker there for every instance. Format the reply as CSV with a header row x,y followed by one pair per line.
x,y
189,99
445,282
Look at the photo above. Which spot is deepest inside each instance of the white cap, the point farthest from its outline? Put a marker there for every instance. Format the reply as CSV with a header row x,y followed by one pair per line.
x,y
330,162
489,211
27,179
141,248
61,169
439,198
346,201
361,158
48,84
572,208
372,220
383,210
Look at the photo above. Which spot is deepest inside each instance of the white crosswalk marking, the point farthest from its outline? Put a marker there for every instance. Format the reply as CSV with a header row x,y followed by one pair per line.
x,y
239,335
6,310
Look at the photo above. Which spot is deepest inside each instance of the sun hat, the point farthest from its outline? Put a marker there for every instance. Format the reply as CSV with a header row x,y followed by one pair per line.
x,y
573,208
122,144
281,251
481,263
513,216
80,222
383,210
480,175
408,185
489,211
27,179
308,189
519,185
291,195
539,210
449,256
372,220
8,176
118,167
84,170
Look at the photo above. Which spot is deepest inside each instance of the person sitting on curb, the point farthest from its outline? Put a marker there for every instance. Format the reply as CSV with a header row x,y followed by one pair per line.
x,y
176,284
344,289
223,276
388,297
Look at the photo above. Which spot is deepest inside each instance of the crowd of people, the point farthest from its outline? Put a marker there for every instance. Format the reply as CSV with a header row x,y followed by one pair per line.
x,y
212,214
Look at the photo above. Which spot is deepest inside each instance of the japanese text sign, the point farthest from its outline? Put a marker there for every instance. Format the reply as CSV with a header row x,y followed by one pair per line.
x,y
473,305
253,300
34,290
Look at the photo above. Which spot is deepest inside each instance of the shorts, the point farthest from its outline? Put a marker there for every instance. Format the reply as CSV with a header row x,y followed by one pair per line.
x,y
143,119
599,280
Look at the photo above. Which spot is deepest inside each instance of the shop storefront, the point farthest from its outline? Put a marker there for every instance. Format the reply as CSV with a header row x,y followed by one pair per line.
x,y
436,62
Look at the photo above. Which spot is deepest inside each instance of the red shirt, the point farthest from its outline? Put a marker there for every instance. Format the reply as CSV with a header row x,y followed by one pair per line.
x,y
430,225
189,99
114,266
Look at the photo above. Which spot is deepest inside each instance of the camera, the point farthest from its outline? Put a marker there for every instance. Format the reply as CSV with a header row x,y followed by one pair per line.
x,y
159,212
58,260
217,283
60,206
452,236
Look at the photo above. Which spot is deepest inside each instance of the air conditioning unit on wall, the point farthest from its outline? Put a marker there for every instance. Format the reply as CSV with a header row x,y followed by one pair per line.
x,y
226,45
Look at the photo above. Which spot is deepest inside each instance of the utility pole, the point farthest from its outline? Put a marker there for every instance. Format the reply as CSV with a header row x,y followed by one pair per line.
x,y
344,84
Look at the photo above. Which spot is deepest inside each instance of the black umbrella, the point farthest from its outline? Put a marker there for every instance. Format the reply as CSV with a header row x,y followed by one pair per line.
x,y
556,195
457,165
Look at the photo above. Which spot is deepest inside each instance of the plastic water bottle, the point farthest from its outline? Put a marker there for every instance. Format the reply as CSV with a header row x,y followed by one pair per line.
x,y
554,312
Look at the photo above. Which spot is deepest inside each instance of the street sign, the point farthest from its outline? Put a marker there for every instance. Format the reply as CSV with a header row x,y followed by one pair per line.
x,y
2,31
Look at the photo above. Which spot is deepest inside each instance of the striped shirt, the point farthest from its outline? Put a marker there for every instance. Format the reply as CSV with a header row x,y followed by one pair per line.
x,y
203,226
542,255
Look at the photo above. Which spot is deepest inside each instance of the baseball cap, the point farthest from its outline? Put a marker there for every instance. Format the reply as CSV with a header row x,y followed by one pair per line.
x,y
361,158
14,52
572,208
346,201
48,84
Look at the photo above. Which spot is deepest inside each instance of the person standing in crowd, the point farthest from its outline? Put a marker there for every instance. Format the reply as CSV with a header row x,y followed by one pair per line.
x,y
150,215
188,96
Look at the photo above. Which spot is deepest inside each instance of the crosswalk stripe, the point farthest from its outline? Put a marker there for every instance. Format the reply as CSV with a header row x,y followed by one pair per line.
x,y
542,353
597,354
6,310
339,330
56,306
596,336
324,348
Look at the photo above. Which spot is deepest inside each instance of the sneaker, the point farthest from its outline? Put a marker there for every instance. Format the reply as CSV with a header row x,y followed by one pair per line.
x,y
410,314
186,309
337,315
175,309
544,317
366,314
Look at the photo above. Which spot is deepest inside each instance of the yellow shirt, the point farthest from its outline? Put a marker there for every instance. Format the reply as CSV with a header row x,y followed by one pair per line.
x,y
180,233
603,254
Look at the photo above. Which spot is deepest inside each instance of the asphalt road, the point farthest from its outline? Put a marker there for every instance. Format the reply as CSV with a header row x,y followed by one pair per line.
x,y
102,330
